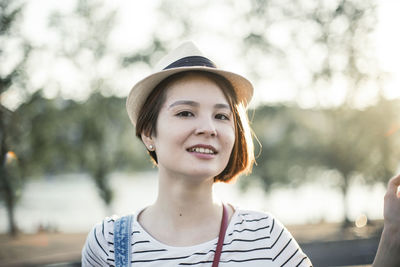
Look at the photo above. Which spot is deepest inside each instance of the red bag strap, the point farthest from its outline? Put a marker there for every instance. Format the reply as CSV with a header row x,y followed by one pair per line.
x,y
222,231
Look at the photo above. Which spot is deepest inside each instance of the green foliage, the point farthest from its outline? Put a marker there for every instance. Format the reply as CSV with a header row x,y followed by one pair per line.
x,y
353,143
59,135
274,127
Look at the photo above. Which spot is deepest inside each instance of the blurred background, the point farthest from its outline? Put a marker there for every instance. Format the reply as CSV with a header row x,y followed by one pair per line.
x,y
325,112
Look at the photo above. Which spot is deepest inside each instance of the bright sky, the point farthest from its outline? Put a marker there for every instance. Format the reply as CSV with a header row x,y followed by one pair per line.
x,y
388,44
136,24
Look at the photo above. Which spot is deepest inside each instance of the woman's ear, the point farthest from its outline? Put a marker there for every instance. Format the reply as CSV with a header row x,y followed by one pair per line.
x,y
148,141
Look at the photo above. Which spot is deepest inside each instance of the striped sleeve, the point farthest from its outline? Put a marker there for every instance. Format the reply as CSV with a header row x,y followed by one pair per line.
x,y
287,250
98,248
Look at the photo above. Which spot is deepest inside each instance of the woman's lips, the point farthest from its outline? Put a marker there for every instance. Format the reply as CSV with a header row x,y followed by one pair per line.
x,y
203,151
202,148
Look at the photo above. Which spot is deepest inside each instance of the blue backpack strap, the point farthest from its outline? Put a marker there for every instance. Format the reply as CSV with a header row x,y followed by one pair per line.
x,y
122,241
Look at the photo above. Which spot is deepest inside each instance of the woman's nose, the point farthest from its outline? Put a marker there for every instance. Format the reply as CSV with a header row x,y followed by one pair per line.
x,y
206,126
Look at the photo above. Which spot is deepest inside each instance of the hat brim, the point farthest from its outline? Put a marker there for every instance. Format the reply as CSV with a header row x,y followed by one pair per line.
x,y
141,90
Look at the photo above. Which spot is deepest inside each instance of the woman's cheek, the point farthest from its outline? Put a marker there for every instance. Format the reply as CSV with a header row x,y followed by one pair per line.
x,y
229,141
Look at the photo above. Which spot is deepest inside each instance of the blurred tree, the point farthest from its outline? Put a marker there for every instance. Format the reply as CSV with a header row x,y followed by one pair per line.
x,y
47,140
104,120
90,49
275,127
105,129
10,181
383,122
285,144
354,144
11,76
59,135
358,143
325,48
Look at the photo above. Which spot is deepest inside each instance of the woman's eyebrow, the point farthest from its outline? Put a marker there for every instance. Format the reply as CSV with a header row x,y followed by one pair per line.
x,y
225,106
184,102
196,104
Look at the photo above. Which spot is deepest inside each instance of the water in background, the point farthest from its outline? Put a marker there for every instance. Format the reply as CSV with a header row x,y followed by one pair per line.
x,y
70,203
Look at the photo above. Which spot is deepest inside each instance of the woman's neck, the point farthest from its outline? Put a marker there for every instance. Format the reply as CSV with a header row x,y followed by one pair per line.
x,y
184,213
185,202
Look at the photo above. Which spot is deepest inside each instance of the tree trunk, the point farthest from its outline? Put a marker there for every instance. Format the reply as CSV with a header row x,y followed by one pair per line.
x,y
9,199
345,191
5,180
12,226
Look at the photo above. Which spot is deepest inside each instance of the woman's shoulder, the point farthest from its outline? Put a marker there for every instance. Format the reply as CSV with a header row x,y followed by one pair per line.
x,y
262,220
99,245
267,235
105,228
253,216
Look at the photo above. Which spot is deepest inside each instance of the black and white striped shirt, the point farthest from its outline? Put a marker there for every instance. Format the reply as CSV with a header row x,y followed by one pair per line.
x,y
253,238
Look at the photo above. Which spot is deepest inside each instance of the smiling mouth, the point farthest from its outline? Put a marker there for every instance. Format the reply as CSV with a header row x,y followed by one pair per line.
x,y
202,150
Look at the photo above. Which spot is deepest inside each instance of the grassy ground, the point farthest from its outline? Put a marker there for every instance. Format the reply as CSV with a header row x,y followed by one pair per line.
x,y
49,248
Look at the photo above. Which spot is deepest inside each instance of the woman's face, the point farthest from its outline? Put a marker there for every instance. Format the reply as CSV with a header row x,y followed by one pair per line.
x,y
195,129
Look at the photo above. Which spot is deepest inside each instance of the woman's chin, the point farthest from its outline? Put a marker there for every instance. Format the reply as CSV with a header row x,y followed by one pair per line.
x,y
204,175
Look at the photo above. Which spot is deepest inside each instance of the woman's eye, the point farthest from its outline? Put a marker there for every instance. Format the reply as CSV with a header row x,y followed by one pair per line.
x,y
185,114
222,117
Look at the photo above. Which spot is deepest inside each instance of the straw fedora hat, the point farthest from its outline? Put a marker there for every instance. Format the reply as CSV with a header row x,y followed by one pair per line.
x,y
186,57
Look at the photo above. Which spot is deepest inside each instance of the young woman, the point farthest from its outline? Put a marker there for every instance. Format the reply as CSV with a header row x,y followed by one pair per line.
x,y
191,117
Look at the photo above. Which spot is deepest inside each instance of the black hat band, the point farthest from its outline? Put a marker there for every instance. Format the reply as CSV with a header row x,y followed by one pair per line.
x,y
191,62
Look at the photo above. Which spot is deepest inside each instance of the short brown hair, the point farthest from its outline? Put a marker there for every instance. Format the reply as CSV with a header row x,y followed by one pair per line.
x,y
242,156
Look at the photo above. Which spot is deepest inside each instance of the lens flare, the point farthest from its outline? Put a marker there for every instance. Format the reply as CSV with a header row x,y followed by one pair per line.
x,y
393,129
361,221
10,157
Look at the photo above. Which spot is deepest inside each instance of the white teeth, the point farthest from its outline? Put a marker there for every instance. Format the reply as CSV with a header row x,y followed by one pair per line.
x,y
202,150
